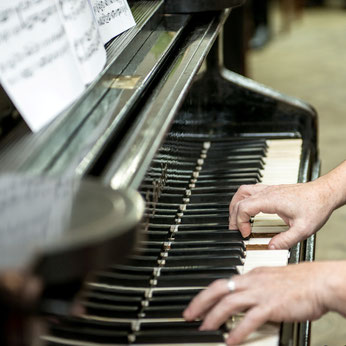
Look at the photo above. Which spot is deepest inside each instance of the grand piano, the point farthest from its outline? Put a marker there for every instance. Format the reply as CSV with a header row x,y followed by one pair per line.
x,y
167,118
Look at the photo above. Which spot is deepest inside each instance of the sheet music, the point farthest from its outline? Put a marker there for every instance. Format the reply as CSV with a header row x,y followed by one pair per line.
x,y
35,213
38,69
113,17
82,30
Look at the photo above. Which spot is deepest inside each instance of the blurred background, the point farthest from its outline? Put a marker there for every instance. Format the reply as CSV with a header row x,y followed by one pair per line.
x,y
299,49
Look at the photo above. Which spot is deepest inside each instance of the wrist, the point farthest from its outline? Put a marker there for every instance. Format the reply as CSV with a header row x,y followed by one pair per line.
x,y
334,289
332,186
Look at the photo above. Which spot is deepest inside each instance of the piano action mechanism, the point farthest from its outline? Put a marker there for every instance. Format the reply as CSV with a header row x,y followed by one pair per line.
x,y
166,118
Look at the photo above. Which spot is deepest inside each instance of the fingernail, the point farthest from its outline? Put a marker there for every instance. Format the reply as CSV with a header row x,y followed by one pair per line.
x,y
272,247
186,315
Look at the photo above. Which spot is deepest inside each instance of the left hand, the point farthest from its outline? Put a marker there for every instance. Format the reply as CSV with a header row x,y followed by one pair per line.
x,y
291,293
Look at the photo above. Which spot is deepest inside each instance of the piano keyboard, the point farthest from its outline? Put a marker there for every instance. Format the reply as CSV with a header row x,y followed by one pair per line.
x,y
187,245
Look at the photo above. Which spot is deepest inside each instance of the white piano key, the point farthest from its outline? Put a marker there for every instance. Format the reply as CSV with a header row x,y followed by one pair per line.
x,y
281,167
265,258
269,229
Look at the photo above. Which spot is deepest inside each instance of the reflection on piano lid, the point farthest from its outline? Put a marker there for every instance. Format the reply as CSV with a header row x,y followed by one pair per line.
x,y
66,223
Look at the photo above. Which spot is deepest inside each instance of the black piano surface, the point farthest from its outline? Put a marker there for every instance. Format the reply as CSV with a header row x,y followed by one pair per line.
x,y
186,133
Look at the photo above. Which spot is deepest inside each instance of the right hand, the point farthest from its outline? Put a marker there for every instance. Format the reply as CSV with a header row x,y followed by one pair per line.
x,y
292,293
305,208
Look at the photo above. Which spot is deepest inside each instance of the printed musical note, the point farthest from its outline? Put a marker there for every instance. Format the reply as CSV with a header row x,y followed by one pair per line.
x,y
84,37
38,69
113,17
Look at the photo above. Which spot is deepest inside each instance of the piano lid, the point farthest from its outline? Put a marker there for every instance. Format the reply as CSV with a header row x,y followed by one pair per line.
x,y
62,228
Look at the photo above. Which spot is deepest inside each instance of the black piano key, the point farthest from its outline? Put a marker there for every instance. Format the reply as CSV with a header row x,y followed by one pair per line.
x,y
207,243
164,206
157,235
210,228
111,310
148,251
88,336
103,298
193,280
226,270
190,146
118,291
164,311
200,259
245,176
214,190
225,182
211,198
163,219
220,211
153,211
169,189
174,292
222,173
198,281
207,251
144,326
142,261
156,174
193,207
228,159
177,332
169,182
172,198
236,164
175,166
121,279
187,218
230,152
175,336
208,218
180,155
82,323
126,268
206,235
91,332
171,300
224,143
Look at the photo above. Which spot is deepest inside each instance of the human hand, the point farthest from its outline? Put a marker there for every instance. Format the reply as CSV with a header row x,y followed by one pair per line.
x,y
305,208
293,293
19,290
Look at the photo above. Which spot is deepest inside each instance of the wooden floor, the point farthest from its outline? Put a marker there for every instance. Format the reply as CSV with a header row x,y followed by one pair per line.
x,y
309,62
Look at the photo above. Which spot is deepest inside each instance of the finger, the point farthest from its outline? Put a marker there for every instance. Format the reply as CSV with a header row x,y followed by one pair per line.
x,y
253,319
251,207
245,191
243,219
286,240
231,304
205,300
233,217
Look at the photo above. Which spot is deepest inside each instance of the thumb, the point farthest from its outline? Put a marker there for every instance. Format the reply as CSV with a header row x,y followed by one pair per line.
x,y
285,240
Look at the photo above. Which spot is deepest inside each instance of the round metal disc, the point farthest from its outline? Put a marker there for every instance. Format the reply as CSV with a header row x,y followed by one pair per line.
x,y
61,229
